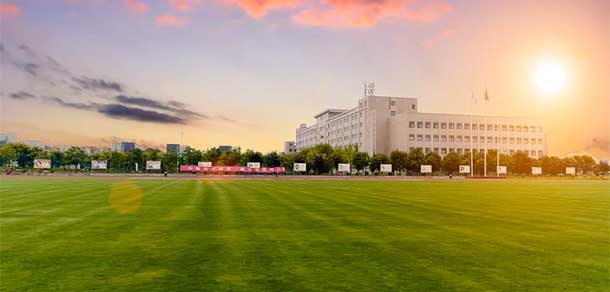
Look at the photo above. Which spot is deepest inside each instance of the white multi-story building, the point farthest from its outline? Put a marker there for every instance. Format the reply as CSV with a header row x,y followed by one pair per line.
x,y
381,124
290,147
6,138
34,143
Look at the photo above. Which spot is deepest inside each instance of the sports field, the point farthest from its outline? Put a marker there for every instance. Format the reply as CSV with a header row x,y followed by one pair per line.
x,y
265,235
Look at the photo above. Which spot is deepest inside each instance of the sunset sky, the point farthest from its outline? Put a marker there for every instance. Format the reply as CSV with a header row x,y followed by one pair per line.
x,y
248,72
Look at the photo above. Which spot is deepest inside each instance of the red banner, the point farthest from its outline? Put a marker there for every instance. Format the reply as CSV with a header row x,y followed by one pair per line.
x,y
232,169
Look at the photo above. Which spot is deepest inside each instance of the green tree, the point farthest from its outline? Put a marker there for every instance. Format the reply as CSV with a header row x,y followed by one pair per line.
x,y
250,156
212,155
272,159
399,160
117,161
135,156
451,162
57,158
76,156
8,153
169,162
287,161
229,158
432,158
416,159
319,160
191,156
25,155
152,154
522,163
603,167
377,160
585,163
360,161
506,160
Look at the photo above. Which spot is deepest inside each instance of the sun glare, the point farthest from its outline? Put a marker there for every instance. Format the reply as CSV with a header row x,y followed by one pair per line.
x,y
550,77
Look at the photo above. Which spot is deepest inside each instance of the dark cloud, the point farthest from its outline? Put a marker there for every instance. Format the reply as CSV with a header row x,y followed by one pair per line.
x,y
176,104
28,51
122,106
131,113
95,84
28,67
75,105
226,119
119,111
142,101
22,95
154,104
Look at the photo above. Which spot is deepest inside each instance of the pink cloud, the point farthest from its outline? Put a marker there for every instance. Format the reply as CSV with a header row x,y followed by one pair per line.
x,y
366,13
184,5
169,20
9,9
260,8
136,5
428,13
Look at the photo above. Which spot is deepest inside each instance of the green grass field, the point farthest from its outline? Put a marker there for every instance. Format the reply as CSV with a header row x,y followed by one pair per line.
x,y
263,235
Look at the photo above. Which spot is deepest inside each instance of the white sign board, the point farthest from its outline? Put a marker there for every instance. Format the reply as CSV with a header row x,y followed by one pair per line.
x,y
536,170
343,167
99,164
42,163
300,167
426,169
385,167
571,170
253,164
464,168
153,165
501,169
204,163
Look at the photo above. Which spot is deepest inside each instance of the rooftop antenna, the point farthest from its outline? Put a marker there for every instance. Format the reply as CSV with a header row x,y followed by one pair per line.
x,y
369,88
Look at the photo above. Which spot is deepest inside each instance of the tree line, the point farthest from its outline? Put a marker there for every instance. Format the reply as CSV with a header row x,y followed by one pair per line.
x,y
320,159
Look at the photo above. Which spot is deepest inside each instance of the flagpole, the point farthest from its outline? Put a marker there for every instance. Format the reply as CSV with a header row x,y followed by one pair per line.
x,y
485,137
471,150
485,150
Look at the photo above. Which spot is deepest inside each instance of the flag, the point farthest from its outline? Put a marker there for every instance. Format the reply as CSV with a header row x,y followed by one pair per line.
x,y
486,96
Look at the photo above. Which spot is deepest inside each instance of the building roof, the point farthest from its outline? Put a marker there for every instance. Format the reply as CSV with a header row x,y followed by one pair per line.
x,y
331,111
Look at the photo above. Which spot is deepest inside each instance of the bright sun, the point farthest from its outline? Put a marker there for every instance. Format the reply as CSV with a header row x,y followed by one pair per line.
x,y
550,77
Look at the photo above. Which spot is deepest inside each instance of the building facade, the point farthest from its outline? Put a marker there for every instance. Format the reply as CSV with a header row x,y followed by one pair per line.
x,y
123,146
381,124
176,148
6,138
290,147
34,143
227,148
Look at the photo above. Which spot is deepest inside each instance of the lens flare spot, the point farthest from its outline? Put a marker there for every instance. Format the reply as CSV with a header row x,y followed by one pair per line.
x,y
125,197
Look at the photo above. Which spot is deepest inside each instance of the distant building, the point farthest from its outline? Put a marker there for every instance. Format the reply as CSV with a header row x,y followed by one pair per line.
x,y
127,146
224,148
381,124
123,146
6,138
290,147
176,148
34,143
172,147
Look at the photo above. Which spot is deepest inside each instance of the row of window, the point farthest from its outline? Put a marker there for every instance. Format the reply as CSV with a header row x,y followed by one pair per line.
x,y
345,138
475,139
444,151
480,127
344,120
